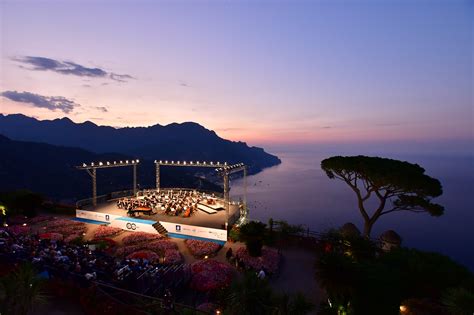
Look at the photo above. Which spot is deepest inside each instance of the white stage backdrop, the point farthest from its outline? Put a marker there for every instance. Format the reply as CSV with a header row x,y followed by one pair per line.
x,y
192,230
98,216
134,225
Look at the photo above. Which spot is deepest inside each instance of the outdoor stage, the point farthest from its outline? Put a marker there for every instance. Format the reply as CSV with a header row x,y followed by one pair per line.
x,y
212,215
199,218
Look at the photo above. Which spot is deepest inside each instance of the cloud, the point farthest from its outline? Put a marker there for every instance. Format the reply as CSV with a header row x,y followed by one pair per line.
x,y
49,102
120,77
103,109
69,68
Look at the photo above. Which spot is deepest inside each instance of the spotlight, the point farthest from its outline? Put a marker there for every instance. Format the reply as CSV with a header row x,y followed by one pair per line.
x,y
84,165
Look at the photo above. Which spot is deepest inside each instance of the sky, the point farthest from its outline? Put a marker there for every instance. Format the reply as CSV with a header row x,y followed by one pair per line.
x,y
271,73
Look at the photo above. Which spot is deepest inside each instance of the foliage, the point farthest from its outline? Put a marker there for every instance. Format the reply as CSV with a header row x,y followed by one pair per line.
x,y
285,229
397,185
209,275
249,296
201,248
140,237
459,301
424,273
252,295
22,202
3,209
234,234
268,261
296,304
107,231
377,284
21,289
253,234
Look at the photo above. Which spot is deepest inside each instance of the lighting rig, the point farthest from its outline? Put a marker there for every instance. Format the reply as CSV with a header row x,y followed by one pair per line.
x,y
92,167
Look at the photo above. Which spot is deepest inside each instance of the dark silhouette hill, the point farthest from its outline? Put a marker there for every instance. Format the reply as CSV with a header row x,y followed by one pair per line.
x,y
50,170
185,141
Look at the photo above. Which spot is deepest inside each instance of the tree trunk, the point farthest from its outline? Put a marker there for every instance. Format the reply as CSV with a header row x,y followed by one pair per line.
x,y
367,228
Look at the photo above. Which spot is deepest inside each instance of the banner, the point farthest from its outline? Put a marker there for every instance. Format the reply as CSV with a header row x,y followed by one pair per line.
x,y
134,225
97,216
196,231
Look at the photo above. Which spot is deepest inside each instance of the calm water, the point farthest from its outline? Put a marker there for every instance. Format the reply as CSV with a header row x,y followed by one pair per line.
x,y
300,192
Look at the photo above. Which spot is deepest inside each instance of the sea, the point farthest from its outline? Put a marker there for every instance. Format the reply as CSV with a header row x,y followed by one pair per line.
x,y
298,191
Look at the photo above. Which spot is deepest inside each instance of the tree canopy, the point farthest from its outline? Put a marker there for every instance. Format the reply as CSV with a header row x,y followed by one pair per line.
x,y
403,184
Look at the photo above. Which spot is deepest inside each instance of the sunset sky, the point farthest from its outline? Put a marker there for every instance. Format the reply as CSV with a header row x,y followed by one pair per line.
x,y
265,72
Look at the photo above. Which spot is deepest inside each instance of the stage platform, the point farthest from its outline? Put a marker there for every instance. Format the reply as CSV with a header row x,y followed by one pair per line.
x,y
199,218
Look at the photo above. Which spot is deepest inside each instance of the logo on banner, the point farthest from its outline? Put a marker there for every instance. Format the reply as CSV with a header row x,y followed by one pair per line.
x,y
107,217
131,226
178,228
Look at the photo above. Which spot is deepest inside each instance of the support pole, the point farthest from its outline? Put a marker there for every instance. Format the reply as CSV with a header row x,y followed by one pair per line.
x,y
157,177
246,211
226,198
134,179
93,174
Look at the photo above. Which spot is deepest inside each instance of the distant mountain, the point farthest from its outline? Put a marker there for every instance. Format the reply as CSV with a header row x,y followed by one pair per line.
x,y
187,141
50,170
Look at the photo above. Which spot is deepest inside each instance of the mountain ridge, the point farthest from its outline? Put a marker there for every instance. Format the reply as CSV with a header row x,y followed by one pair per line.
x,y
178,141
51,170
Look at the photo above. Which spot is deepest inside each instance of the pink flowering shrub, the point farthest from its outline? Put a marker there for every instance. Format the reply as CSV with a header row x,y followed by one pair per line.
x,y
68,230
140,237
17,219
72,237
202,248
62,222
172,256
144,254
127,250
269,261
40,218
51,236
65,227
160,246
210,275
107,231
18,230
